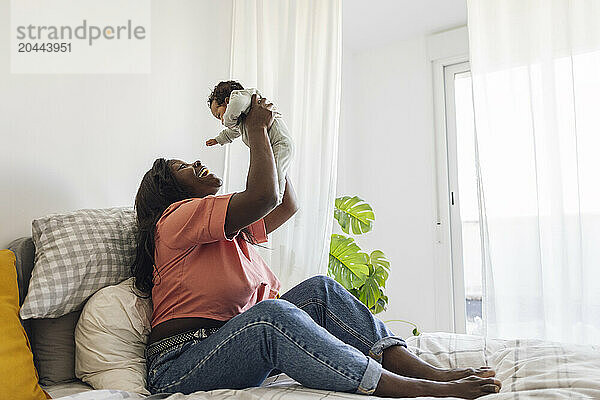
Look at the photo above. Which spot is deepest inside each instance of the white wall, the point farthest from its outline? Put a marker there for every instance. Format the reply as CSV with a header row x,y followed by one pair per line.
x,y
387,156
85,141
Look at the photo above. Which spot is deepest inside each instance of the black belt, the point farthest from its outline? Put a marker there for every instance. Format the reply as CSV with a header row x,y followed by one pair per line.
x,y
167,343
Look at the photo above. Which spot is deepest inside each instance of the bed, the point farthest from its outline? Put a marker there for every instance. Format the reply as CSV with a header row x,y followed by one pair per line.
x,y
527,369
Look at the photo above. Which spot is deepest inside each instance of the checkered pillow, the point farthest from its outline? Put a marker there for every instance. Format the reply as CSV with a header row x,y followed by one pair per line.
x,y
76,255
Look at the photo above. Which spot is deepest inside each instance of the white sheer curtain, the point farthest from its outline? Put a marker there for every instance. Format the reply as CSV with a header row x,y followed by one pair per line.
x,y
291,51
536,85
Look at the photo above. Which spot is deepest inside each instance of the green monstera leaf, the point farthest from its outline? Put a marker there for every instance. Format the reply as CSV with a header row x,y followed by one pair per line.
x,y
370,292
381,266
347,263
381,304
355,213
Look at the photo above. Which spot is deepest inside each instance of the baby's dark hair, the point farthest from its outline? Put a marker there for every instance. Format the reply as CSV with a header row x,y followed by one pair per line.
x,y
222,91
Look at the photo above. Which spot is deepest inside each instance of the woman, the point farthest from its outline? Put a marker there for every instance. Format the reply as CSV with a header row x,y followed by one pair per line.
x,y
218,319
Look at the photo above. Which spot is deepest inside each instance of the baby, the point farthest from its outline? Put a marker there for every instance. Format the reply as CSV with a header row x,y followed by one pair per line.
x,y
230,103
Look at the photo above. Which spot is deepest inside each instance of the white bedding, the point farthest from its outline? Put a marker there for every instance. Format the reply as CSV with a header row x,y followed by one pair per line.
x,y
527,369
67,389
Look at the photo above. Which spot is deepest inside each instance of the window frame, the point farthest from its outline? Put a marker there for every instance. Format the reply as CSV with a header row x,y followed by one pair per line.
x,y
453,198
443,49
450,284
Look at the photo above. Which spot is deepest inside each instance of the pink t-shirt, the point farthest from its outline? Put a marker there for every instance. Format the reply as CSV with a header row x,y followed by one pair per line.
x,y
201,273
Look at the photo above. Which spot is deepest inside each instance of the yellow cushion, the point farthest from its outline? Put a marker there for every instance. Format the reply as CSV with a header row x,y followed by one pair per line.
x,y
17,372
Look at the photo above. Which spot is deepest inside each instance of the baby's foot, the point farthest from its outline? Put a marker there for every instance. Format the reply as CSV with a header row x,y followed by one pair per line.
x,y
460,373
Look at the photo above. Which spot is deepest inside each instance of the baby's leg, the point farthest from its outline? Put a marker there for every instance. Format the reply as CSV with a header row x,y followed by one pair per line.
x,y
283,151
282,164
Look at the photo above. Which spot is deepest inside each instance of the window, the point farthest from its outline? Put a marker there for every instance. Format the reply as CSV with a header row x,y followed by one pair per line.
x,y
462,200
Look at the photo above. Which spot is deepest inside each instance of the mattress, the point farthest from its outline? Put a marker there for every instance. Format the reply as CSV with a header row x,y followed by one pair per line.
x,y
527,368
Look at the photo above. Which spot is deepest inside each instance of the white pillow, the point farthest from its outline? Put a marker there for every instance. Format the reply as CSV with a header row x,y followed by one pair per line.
x,y
110,339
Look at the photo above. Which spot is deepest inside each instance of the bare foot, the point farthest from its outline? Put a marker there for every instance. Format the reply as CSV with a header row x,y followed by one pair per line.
x,y
473,387
402,362
447,375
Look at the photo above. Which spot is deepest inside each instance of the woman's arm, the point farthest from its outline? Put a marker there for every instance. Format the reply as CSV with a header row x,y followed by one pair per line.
x,y
260,196
284,211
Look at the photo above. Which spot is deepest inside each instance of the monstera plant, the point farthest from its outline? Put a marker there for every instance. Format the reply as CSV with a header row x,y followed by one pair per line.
x,y
362,274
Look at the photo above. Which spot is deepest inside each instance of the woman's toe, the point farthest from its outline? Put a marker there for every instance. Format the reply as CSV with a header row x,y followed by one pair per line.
x,y
490,388
485,372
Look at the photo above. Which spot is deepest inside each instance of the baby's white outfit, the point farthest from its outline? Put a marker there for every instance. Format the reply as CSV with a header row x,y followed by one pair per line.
x,y
281,142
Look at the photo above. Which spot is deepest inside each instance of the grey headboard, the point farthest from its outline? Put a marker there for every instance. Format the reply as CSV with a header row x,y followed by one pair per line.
x,y
25,253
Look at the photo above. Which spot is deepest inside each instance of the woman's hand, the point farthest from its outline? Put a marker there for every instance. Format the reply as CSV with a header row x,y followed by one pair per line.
x,y
260,115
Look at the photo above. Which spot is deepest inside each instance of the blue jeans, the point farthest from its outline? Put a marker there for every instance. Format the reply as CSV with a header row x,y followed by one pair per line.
x,y
317,333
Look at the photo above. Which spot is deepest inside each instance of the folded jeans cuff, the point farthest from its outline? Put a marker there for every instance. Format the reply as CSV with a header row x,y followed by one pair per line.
x,y
370,378
377,349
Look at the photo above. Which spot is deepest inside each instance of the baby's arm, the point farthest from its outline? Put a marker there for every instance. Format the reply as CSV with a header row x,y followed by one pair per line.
x,y
227,136
239,103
